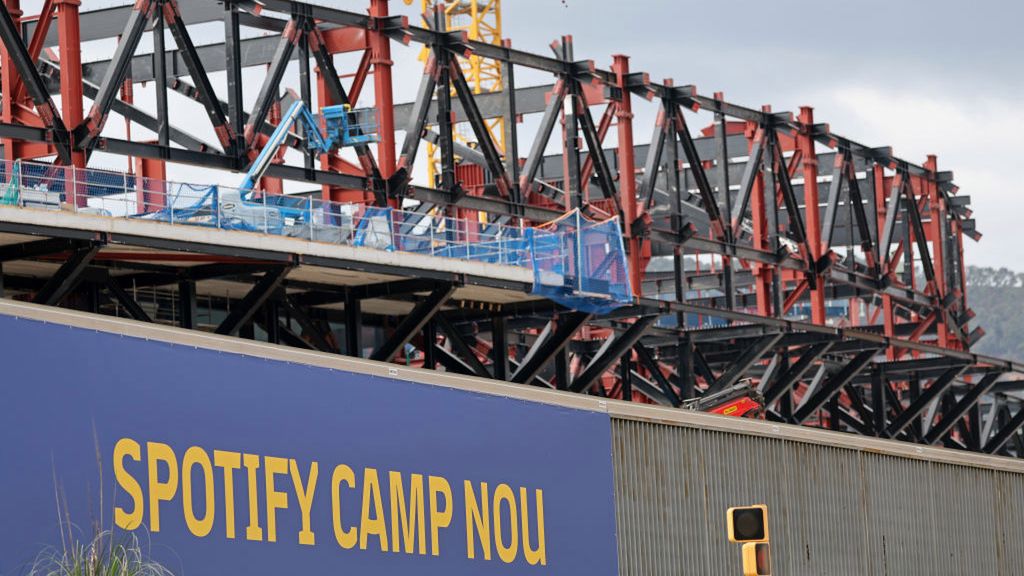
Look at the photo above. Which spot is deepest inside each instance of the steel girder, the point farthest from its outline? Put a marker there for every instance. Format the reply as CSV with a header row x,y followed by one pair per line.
x,y
256,297
684,355
414,322
68,275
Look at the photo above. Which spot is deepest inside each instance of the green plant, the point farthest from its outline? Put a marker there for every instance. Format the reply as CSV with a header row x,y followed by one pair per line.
x,y
104,555
107,554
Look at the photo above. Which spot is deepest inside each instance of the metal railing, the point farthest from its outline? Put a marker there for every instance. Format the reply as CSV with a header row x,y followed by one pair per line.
x,y
122,195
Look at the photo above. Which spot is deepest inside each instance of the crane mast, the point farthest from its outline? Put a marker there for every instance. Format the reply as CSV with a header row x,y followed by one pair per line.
x,y
481,20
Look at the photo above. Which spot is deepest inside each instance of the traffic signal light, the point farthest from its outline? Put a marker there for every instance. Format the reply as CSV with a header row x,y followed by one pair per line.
x,y
748,523
756,559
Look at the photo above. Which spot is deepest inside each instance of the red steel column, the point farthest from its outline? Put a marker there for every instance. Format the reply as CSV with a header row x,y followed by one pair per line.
x,y
762,272
812,220
70,45
882,192
380,57
627,172
9,81
934,232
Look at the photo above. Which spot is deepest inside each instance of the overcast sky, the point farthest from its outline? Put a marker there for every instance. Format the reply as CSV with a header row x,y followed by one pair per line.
x,y
937,77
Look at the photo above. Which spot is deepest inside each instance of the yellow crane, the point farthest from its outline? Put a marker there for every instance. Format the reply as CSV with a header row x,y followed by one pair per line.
x,y
481,20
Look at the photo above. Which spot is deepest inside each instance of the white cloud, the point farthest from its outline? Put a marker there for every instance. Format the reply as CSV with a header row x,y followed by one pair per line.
x,y
974,136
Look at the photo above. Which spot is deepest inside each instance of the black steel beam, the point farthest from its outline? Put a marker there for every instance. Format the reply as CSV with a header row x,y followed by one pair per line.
x,y
451,362
163,111
499,348
417,124
413,322
448,183
737,369
937,388
842,415
835,188
254,300
924,252
796,227
363,291
667,390
828,388
135,114
750,173
233,71
860,213
116,72
196,71
555,337
612,350
460,348
966,402
1005,433
540,141
36,248
605,179
476,121
718,224
125,299
67,276
653,160
310,329
272,83
187,305
784,383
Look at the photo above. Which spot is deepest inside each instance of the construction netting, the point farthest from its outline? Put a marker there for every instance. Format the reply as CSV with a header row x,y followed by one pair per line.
x,y
580,263
577,262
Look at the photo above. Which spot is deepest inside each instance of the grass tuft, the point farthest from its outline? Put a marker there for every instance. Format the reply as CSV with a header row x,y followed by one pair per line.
x,y
104,555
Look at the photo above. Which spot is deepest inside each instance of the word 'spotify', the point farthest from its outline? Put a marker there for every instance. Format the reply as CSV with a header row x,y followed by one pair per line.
x,y
501,522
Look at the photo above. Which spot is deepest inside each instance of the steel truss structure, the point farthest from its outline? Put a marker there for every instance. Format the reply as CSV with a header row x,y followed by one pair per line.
x,y
828,272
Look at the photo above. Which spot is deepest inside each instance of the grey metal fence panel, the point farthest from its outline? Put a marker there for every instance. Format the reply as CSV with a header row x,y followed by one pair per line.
x,y
1009,516
833,510
900,521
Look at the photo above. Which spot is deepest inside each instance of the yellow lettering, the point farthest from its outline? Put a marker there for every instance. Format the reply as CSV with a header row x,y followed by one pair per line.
x,y
507,553
130,448
346,538
480,519
407,522
160,491
439,518
304,494
253,530
275,500
533,556
375,525
229,461
193,456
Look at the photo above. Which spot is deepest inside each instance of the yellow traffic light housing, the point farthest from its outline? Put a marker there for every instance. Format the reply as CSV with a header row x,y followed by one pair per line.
x,y
756,559
748,523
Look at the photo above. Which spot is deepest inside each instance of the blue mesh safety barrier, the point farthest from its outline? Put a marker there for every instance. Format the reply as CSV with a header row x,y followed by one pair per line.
x,y
376,229
9,177
576,261
580,263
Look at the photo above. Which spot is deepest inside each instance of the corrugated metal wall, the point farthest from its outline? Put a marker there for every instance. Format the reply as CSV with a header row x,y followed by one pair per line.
x,y
831,510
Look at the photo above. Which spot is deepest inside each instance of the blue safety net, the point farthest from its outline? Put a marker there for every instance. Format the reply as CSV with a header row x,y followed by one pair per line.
x,y
180,204
580,263
376,229
10,174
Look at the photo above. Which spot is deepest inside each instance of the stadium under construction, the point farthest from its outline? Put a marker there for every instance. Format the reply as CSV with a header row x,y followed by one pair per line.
x,y
743,261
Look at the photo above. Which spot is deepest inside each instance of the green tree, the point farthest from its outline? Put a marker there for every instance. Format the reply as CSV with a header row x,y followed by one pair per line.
x,y
997,297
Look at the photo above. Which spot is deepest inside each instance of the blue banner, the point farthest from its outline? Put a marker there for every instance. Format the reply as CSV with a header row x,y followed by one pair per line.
x,y
221,463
